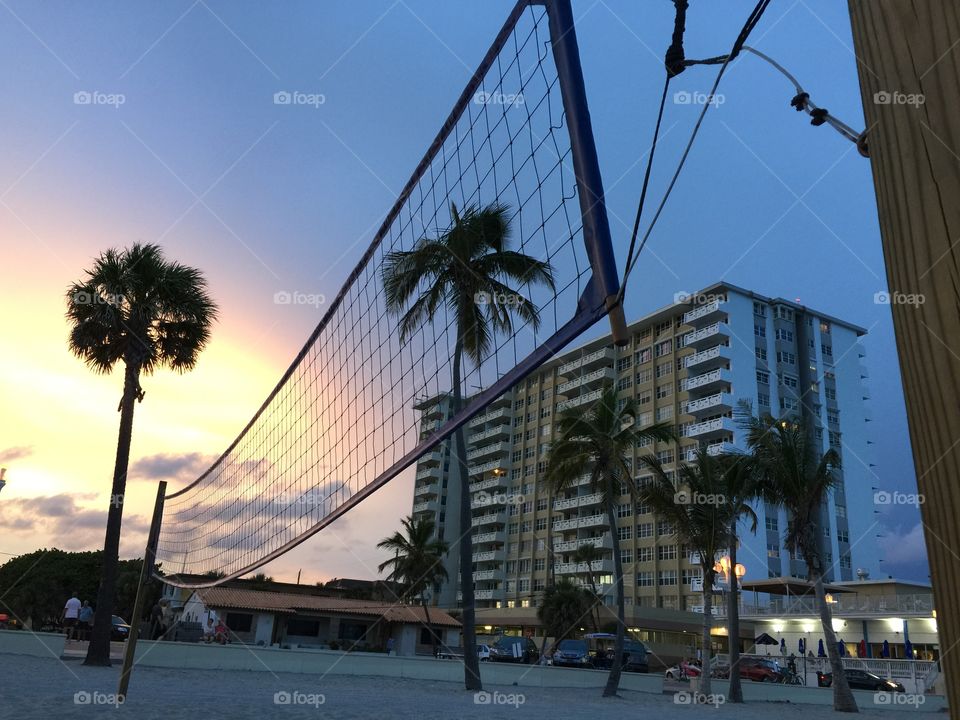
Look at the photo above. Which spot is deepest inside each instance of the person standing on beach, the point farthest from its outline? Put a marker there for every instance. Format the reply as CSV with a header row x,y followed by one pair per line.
x,y
84,621
70,614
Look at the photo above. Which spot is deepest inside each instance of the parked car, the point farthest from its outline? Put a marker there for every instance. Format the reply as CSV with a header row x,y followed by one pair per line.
x,y
682,671
601,652
483,652
120,630
514,649
572,653
862,680
760,670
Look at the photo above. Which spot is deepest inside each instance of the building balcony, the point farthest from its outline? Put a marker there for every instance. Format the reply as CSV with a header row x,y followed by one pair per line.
x,y
485,594
598,520
488,451
707,382
479,575
604,566
428,473
494,518
432,411
706,336
705,313
426,490
584,399
578,501
711,428
489,556
719,402
497,481
486,467
492,500
433,458
497,432
593,379
707,359
604,542
497,537
430,507
603,356
721,447
502,414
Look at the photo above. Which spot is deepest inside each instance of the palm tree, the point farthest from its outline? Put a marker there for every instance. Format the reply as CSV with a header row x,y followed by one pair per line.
x,y
562,609
796,476
135,307
694,505
417,563
586,555
465,271
599,440
740,488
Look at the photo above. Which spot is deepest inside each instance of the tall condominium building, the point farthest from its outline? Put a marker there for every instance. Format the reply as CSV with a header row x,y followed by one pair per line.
x,y
688,364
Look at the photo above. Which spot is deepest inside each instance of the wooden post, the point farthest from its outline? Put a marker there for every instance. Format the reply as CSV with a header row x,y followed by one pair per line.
x,y
908,57
149,555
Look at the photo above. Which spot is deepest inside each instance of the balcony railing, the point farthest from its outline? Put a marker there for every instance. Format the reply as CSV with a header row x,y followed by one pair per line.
x,y
488,450
502,430
589,379
580,400
501,413
691,316
717,400
844,605
603,542
720,424
717,352
603,354
704,334
705,379
579,522
579,501
495,482
597,566
486,467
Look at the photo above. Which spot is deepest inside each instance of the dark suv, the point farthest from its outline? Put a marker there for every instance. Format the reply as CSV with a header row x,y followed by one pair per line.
x,y
572,653
514,649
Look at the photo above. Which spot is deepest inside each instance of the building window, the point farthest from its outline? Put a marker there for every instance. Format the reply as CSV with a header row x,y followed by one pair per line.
x,y
788,403
773,550
539,564
643,356
763,377
664,369
626,556
625,510
664,527
759,309
666,552
664,413
784,334
665,390
643,376
667,577
645,579
624,382
644,530
663,348
761,354
772,524
786,358
827,350
625,532
243,622
763,399
624,363
760,330
645,554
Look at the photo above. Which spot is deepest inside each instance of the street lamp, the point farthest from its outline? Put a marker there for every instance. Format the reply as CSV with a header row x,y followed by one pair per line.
x,y
723,567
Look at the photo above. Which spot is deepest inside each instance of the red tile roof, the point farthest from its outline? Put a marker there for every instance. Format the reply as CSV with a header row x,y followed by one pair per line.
x,y
266,601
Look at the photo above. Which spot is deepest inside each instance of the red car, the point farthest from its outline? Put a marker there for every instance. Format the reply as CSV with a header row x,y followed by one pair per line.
x,y
760,670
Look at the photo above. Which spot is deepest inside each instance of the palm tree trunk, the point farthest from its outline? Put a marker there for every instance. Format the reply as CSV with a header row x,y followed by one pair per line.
x,y
707,625
471,663
98,651
613,680
843,700
735,691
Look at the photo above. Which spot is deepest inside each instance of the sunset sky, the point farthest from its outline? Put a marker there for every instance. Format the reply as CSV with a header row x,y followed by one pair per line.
x,y
186,148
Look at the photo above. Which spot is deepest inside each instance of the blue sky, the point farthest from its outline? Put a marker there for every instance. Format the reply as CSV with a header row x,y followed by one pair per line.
x,y
266,198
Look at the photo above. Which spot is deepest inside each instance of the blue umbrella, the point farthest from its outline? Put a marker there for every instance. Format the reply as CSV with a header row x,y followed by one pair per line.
x,y
802,646
820,651
841,648
783,646
885,651
908,650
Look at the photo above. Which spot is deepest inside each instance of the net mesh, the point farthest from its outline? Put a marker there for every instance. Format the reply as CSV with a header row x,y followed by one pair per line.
x,y
343,419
